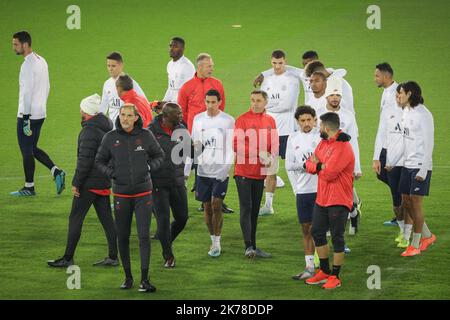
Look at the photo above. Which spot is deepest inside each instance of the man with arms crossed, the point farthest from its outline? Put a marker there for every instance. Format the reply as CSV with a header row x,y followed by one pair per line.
x,y
334,162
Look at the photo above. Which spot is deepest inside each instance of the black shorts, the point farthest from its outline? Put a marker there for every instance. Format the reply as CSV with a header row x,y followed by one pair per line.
x,y
305,207
207,188
409,184
283,145
394,184
383,176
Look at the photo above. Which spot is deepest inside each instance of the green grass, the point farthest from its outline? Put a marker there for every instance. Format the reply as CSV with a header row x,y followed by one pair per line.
x,y
415,39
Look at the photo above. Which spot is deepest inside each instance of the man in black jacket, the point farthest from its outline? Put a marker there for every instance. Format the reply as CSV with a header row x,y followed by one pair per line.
x,y
89,185
168,181
133,153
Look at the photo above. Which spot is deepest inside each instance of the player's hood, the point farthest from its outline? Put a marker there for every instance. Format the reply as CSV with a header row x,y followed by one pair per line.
x,y
343,137
99,121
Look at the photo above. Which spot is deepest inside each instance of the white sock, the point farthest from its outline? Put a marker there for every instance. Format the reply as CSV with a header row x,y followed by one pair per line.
x,y
353,213
213,239
416,240
309,262
269,199
53,170
29,184
401,225
426,233
408,230
217,241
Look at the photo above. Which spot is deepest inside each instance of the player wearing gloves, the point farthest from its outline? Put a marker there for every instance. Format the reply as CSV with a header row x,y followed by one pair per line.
x,y
34,86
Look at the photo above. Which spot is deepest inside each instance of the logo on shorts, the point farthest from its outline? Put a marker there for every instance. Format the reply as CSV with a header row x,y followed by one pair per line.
x,y
223,193
416,189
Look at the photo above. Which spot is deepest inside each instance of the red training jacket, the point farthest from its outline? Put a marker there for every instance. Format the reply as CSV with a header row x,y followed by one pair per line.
x,y
265,129
141,104
191,97
335,185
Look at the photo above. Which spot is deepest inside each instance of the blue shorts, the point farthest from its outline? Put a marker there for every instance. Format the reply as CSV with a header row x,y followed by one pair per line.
x,y
409,184
207,188
305,207
283,145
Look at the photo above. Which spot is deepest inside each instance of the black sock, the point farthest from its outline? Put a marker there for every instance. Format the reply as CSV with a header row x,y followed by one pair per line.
x,y
68,257
336,270
144,274
248,244
56,172
128,273
29,188
325,265
113,256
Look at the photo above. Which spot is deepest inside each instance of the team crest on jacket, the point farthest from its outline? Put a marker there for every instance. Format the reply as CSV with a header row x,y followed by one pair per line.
x,y
116,144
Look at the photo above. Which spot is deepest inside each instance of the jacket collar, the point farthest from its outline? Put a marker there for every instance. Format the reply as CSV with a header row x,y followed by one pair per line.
x,y
129,95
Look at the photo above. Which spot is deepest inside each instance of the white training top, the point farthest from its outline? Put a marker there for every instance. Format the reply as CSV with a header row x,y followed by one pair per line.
x,y
347,92
317,103
419,139
300,146
216,136
111,102
349,126
395,144
388,102
283,91
178,73
34,87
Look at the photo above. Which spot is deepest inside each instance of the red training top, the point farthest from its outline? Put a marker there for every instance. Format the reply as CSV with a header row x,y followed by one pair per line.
x,y
141,104
249,126
191,97
335,185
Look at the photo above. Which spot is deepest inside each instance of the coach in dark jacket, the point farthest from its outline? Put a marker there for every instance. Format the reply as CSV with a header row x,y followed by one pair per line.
x,y
168,181
90,185
128,155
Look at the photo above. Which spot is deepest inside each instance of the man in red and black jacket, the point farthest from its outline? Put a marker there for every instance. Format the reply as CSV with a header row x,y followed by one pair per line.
x,y
127,155
255,143
333,161
168,181
90,185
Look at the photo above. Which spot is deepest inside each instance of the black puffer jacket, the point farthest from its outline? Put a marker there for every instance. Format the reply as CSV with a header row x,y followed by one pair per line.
x,y
169,174
87,176
133,155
